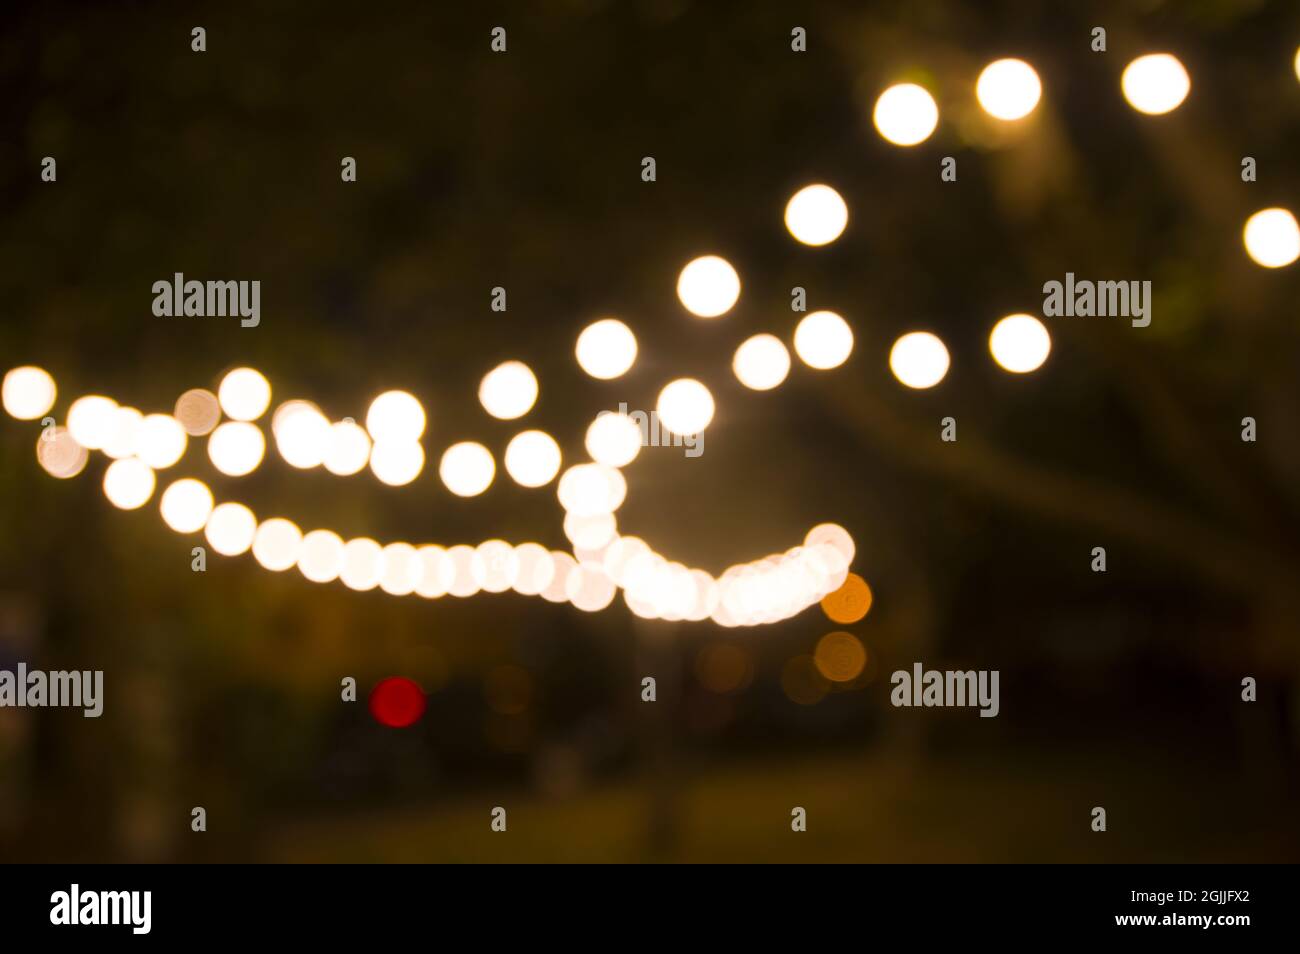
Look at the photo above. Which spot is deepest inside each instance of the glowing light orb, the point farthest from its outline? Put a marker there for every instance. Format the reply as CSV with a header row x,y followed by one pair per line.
x,y
186,505
536,569
816,215
1020,343
302,434
198,410
919,360
124,436
128,483
532,458
28,393
589,589
708,286
761,362
463,584
508,391
236,448
1272,238
396,463
823,340
905,114
397,702
438,572
613,439
557,591
1008,89
320,556
244,394
160,441
230,529
606,349
685,406
467,468
402,569
1155,84
494,566
59,454
348,450
363,564
587,490
91,420
277,543
590,533
395,416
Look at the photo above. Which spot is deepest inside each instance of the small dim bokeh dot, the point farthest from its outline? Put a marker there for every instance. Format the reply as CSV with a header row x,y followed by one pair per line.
x,y
840,657
724,668
850,602
803,682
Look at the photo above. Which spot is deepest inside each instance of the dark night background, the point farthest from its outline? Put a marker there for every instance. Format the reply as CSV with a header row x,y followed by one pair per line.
x,y
523,170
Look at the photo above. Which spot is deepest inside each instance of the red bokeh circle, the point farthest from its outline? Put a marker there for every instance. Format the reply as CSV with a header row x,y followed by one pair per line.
x,y
397,702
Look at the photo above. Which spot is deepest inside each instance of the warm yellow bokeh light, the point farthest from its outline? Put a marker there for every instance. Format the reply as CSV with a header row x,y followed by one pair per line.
x,y
467,468
1008,89
919,359
823,340
816,215
536,569
437,573
302,434
840,657
124,435
590,533
400,569
708,286
848,603
28,393
396,463
320,556
761,362
244,394
348,450
606,349
198,410
685,406
230,529
91,420
160,441
613,439
277,543
905,114
236,448
588,490
396,416
128,483
59,454
186,505
363,564
532,458
508,391
1155,84
1020,343
1272,238
494,566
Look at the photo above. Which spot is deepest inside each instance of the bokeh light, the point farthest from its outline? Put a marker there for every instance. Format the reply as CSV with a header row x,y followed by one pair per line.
x,y
348,450
128,483
124,433
724,668
840,657
508,391
91,420
400,569
685,406
1008,89
494,566
396,416
186,505
467,468
761,362
302,434
1155,83
606,349
613,439
28,393
277,543
708,286
363,564
230,529
1272,238
816,215
396,463
532,458
536,569
591,489
437,571
905,114
236,448
1020,343
919,359
850,602
823,340
803,682
320,556
160,440
244,394
59,454
198,411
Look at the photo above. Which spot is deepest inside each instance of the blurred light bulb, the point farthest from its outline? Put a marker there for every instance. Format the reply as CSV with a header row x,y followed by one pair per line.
x,y
467,468
160,441
536,569
198,410
396,463
906,114
1020,343
1272,238
1008,89
685,406
919,359
532,458
59,454
186,505
591,489
761,363
508,391
320,556
91,419
348,450
277,543
823,340
708,286
494,566
230,529
816,215
236,448
1155,84
124,436
606,349
244,394
302,434
613,439
28,393
396,416
437,573
363,560
128,483
401,569
590,533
